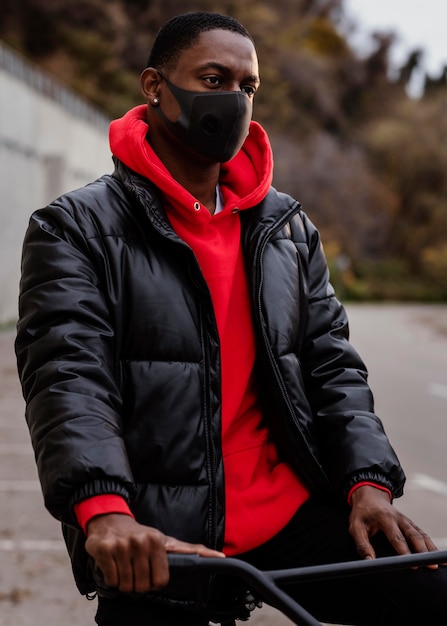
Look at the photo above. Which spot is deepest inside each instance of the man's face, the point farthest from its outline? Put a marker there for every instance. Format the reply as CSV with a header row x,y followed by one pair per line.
x,y
219,60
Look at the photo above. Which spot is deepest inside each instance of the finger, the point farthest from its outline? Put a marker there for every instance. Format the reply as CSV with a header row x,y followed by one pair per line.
x,y
360,536
208,552
103,557
364,547
432,547
142,582
109,573
420,541
182,547
124,567
159,569
398,541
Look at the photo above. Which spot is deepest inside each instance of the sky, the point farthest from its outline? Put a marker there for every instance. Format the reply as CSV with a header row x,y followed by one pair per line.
x,y
417,23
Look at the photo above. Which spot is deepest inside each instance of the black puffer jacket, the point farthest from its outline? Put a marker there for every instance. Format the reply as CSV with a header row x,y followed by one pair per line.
x,y
118,354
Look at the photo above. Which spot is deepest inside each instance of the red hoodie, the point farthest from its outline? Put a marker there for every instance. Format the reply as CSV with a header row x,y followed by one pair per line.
x,y
261,492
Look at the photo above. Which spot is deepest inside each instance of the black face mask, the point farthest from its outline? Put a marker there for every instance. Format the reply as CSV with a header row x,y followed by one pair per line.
x,y
214,125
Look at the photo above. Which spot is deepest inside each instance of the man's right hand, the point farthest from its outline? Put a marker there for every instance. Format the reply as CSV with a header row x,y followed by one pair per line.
x,y
133,557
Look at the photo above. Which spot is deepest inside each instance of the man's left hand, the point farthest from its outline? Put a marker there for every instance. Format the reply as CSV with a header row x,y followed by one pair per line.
x,y
372,512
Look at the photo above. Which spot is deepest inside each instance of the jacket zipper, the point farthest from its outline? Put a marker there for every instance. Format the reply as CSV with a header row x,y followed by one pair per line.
x,y
210,448
269,352
210,454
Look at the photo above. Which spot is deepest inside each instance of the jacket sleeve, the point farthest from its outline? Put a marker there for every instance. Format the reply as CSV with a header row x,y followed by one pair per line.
x,y
65,350
353,445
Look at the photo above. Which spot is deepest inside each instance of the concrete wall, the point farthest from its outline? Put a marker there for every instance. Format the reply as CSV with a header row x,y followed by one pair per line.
x,y
51,141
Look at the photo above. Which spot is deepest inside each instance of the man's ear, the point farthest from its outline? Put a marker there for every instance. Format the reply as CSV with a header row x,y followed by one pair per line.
x,y
150,83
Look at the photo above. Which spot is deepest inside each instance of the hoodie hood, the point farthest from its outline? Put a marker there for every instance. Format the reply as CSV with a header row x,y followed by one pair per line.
x,y
244,181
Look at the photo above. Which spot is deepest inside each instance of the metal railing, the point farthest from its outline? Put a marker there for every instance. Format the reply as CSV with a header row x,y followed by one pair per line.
x,y
42,82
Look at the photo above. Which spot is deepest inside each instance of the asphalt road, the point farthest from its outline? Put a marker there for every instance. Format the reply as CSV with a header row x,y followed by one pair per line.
x,y
405,348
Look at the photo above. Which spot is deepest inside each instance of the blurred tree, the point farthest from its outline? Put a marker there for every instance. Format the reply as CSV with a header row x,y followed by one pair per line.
x,y
368,162
436,85
409,150
407,70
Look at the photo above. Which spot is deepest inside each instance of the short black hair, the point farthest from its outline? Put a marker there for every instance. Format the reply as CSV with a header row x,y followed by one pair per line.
x,y
181,32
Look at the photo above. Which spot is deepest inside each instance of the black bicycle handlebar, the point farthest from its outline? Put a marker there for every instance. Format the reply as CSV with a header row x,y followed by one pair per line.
x,y
265,583
258,581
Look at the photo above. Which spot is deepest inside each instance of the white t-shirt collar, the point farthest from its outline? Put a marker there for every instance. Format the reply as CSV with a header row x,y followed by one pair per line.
x,y
219,201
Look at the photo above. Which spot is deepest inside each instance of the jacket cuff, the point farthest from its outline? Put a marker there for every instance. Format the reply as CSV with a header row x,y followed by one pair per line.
x,y
100,505
370,484
373,478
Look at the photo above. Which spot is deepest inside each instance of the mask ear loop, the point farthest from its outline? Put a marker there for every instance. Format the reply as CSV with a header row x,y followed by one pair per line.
x,y
179,93
182,96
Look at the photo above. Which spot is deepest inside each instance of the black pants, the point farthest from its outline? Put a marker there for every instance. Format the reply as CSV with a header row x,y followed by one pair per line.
x,y
319,534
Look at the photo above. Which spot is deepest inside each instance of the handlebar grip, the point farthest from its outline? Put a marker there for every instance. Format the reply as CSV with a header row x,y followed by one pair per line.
x,y
184,560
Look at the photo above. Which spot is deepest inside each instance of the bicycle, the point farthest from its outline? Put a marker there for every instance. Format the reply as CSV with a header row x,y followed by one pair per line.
x,y
263,586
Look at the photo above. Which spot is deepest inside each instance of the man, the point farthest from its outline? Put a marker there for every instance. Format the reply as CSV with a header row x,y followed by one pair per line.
x,y
186,367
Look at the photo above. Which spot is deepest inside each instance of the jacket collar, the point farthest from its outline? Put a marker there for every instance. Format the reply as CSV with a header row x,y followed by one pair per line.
x,y
274,210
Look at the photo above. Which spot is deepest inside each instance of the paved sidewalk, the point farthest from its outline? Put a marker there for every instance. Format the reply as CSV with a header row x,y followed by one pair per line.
x,y
36,585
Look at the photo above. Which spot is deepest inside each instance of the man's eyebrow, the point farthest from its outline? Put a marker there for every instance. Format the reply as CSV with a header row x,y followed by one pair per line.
x,y
223,68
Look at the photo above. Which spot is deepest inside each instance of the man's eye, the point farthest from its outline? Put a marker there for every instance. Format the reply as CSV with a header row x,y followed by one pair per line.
x,y
214,80
249,90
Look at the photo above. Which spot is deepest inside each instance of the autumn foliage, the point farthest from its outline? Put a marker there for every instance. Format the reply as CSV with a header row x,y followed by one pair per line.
x,y
367,161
